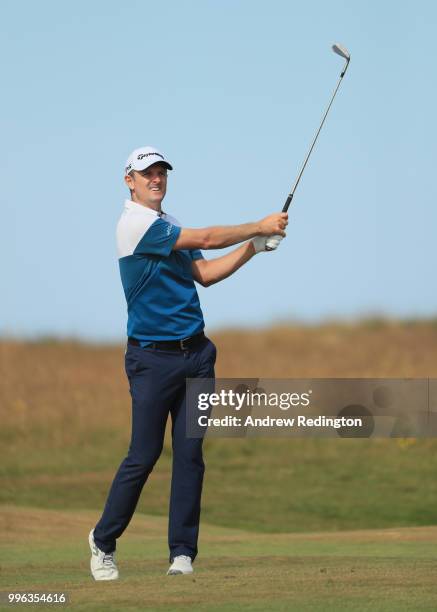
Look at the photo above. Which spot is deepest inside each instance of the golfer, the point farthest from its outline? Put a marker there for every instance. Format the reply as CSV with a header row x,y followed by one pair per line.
x,y
159,262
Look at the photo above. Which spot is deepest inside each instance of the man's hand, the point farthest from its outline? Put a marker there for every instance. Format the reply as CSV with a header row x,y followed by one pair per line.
x,y
273,225
259,243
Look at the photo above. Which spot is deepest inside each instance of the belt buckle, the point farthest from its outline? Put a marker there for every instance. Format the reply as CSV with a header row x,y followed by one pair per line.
x,y
181,343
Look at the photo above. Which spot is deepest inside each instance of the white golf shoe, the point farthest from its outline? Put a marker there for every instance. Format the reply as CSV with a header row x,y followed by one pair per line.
x,y
102,564
181,565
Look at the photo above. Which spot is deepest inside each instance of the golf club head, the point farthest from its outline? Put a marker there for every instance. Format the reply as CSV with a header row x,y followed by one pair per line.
x,y
340,50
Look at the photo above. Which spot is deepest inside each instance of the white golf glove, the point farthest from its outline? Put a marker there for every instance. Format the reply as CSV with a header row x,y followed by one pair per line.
x,y
260,243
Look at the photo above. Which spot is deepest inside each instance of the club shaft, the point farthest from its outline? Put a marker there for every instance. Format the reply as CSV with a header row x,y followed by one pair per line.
x,y
296,183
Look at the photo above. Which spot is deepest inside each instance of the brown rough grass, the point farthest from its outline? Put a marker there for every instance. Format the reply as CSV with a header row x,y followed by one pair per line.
x,y
372,349
67,388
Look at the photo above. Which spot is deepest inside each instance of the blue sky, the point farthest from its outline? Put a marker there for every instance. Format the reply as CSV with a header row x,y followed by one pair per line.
x,y
232,92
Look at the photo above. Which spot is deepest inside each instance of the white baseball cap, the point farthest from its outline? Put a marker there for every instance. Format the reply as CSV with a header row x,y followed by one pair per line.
x,y
142,158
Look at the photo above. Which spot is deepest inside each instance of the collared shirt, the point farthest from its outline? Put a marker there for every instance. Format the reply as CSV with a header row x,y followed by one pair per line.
x,y
161,296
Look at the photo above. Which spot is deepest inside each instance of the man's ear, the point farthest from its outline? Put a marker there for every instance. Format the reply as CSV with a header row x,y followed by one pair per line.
x,y
129,182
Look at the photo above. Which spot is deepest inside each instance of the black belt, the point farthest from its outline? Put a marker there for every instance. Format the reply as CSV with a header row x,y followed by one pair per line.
x,y
173,345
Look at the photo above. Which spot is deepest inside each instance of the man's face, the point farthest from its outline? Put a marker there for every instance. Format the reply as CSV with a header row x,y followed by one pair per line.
x,y
148,186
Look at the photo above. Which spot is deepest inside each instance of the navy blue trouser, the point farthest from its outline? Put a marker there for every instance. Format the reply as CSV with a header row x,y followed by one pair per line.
x,y
157,386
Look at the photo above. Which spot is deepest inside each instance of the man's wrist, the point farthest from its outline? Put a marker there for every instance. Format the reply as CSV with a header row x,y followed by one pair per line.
x,y
253,229
258,229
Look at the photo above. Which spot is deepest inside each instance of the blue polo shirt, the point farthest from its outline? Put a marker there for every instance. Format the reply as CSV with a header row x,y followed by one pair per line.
x,y
161,296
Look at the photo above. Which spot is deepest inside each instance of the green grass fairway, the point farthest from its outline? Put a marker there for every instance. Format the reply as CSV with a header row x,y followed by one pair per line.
x,y
261,485
384,570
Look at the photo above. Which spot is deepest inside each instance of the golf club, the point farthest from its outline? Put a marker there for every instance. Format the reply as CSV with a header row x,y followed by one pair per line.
x,y
343,52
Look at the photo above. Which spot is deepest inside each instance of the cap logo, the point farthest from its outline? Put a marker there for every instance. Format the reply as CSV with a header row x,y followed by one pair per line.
x,y
142,155
128,168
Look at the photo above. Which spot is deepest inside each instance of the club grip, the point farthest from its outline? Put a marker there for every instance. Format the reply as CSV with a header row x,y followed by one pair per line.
x,y
287,202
